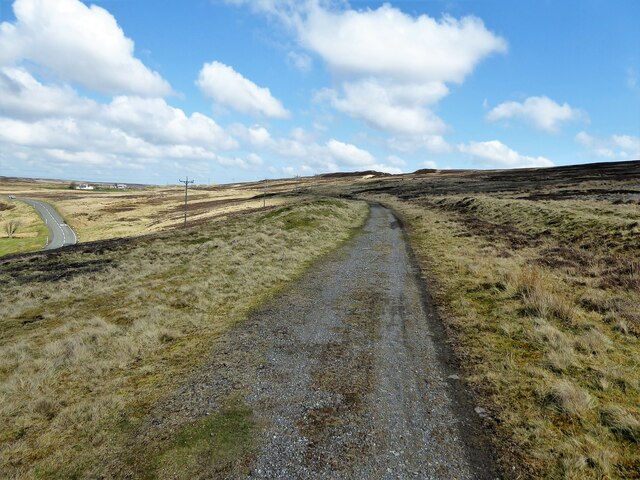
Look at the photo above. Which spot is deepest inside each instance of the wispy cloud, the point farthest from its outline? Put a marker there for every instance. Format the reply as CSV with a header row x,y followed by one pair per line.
x,y
614,147
495,154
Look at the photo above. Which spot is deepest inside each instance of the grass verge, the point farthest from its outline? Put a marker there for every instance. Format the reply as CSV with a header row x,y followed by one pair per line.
x,y
92,338
541,299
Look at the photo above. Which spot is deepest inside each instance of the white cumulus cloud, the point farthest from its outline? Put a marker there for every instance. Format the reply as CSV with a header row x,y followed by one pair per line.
x,y
153,120
412,143
251,161
396,161
495,154
48,126
24,97
227,87
54,125
77,43
349,154
541,112
301,147
389,43
390,107
390,67
97,137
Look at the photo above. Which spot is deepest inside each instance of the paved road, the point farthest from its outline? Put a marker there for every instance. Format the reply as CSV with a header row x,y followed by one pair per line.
x,y
60,234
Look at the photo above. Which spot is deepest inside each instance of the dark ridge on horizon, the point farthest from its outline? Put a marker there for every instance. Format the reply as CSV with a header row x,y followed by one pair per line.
x,y
374,173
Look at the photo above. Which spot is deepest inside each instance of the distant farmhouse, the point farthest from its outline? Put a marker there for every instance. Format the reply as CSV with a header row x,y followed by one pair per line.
x,y
116,186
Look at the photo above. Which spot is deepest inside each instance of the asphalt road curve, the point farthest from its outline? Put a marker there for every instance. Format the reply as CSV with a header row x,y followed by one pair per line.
x,y
358,382
60,234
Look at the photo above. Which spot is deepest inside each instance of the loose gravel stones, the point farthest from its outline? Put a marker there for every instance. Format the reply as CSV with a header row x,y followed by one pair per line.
x,y
347,373
352,386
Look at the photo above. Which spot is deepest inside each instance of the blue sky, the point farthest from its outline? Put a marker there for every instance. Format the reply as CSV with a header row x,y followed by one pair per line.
x,y
231,90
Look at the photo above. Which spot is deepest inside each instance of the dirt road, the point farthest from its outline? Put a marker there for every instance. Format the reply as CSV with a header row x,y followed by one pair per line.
x,y
354,386
347,374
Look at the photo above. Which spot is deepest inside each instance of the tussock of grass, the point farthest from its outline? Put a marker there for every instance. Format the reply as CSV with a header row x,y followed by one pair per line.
x,y
86,350
593,342
534,287
46,407
622,327
552,337
621,422
559,352
596,300
570,399
585,457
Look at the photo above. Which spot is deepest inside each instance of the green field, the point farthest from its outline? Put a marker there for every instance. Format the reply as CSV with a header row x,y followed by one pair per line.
x,y
31,234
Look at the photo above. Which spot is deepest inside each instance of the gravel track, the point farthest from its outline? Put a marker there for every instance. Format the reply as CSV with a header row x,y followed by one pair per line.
x,y
348,373
353,385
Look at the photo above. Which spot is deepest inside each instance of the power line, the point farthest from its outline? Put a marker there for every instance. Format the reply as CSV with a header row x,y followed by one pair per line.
x,y
186,188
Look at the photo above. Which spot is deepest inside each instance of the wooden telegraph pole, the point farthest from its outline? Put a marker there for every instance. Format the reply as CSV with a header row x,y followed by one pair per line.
x,y
264,193
186,187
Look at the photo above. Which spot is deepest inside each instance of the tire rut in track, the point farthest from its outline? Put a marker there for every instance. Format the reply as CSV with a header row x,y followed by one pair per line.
x,y
353,386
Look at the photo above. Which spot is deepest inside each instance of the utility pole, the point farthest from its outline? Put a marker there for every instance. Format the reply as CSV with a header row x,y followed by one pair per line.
x,y
186,187
264,193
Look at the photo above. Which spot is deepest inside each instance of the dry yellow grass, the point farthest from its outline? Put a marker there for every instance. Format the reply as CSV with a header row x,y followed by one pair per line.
x,y
98,215
570,399
557,346
542,302
109,213
90,341
533,286
621,422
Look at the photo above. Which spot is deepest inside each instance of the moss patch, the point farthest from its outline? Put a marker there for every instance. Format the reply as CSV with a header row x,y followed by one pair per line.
x,y
219,444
